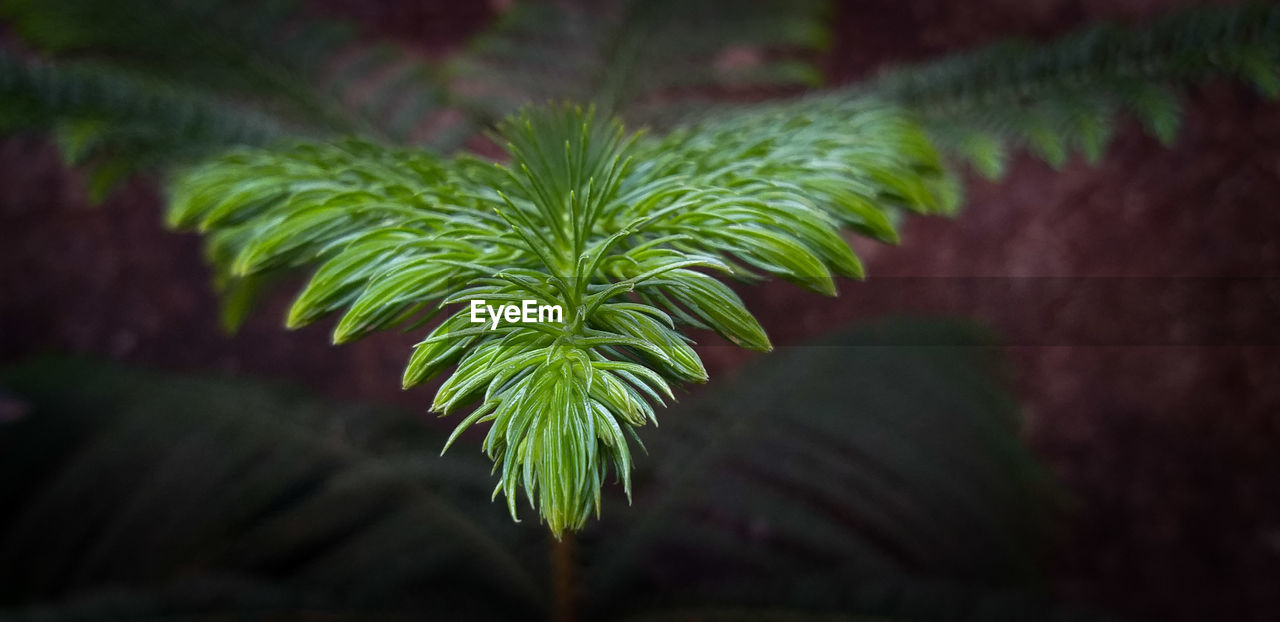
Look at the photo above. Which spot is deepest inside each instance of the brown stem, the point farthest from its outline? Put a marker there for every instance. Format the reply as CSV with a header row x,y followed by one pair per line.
x,y
564,588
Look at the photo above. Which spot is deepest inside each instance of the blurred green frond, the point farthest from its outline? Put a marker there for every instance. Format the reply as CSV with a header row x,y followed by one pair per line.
x,y
149,496
118,122
628,55
134,495
145,83
304,68
1065,96
847,470
618,230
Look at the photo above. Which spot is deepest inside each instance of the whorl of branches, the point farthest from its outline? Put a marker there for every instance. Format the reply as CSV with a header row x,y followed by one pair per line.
x,y
622,232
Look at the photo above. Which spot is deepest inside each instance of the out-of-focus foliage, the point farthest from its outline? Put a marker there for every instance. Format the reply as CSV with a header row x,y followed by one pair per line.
x,y
226,72
623,232
147,496
635,57
132,495
1067,95
608,227
144,84
119,121
877,471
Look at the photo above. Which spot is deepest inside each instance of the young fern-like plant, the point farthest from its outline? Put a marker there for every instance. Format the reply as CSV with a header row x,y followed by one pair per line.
x,y
626,234
629,235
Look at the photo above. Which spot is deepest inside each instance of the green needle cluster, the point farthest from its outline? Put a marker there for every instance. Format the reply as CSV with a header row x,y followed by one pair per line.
x,y
626,233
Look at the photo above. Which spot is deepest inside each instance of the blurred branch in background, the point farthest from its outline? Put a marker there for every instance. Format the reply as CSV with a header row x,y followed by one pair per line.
x,y
634,58
1066,95
139,85
234,73
878,470
133,494
862,475
119,123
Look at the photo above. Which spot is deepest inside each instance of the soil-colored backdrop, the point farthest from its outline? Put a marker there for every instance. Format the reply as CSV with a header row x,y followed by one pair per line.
x,y
1148,365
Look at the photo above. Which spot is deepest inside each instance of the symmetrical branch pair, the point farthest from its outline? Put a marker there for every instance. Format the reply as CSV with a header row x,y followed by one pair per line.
x,y
626,233
622,231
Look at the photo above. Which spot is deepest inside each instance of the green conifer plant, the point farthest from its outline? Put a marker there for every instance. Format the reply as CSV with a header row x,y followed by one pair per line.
x,y
630,234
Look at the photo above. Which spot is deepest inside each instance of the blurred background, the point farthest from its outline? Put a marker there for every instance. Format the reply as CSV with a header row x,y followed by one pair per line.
x,y
1114,456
